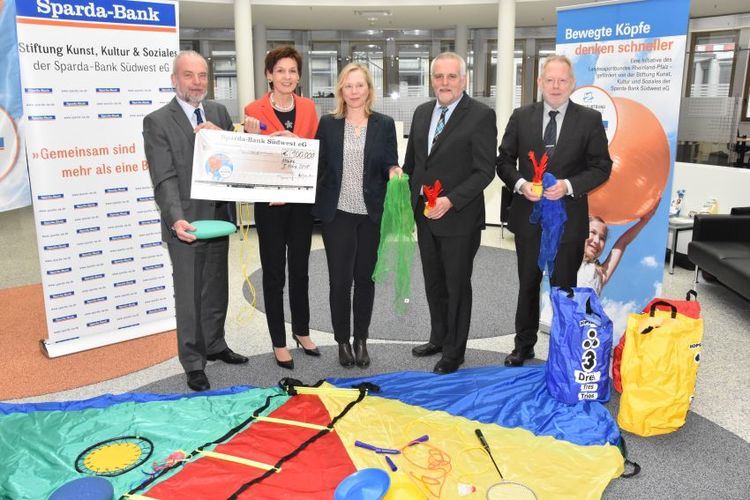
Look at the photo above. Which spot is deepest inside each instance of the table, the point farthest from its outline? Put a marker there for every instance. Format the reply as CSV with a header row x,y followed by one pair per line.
x,y
677,224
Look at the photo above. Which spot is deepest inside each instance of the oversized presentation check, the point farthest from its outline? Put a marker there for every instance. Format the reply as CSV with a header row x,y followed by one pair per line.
x,y
232,166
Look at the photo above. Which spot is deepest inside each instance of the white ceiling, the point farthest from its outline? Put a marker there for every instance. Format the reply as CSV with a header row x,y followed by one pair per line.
x,y
405,14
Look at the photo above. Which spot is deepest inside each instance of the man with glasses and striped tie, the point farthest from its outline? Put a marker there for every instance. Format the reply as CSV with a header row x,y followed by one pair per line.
x,y
575,143
450,158
199,267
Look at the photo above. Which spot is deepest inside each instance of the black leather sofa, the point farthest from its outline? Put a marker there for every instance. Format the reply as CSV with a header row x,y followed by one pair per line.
x,y
721,247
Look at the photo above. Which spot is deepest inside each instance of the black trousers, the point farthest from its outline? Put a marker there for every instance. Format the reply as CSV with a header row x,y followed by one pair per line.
x,y
284,234
447,264
567,261
351,243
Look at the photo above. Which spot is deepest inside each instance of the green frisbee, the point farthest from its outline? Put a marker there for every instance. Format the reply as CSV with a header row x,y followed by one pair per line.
x,y
205,229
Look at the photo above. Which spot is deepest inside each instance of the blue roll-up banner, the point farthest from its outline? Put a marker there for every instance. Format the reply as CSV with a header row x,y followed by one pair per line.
x,y
628,59
14,180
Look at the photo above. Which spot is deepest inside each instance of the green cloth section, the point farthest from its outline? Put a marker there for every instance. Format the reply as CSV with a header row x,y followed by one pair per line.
x,y
397,241
39,449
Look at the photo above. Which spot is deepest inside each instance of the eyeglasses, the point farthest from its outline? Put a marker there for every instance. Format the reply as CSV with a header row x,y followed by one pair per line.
x,y
560,82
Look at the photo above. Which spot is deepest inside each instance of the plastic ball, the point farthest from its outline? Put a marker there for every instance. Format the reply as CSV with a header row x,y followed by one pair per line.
x,y
84,488
640,169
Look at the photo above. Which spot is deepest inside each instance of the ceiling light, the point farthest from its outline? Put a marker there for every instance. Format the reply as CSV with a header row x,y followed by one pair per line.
x,y
373,13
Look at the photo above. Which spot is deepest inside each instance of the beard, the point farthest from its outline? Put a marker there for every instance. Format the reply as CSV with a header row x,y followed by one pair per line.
x,y
195,100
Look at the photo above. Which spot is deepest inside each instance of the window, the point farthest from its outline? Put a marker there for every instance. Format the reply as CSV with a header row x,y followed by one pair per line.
x,y
544,49
712,64
371,55
323,68
413,69
517,71
223,71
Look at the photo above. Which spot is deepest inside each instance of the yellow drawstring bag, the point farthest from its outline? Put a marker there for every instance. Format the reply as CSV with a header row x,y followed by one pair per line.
x,y
659,369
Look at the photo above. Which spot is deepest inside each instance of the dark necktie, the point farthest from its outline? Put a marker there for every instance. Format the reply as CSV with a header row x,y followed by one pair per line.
x,y
440,124
198,116
550,133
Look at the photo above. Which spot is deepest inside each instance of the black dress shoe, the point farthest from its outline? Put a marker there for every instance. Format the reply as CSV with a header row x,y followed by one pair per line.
x,y
360,353
427,349
446,366
346,358
228,356
310,352
518,356
198,381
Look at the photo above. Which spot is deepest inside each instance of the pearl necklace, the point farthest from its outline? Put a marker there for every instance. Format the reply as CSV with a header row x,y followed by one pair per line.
x,y
281,108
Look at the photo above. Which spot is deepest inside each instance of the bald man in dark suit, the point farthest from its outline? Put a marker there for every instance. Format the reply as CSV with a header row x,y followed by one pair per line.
x,y
199,267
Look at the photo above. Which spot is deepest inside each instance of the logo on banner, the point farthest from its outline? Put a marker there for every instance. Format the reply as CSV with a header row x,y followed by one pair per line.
x,y
600,100
9,143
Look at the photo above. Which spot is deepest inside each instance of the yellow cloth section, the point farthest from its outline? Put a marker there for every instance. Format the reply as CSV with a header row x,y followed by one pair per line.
x,y
452,458
658,372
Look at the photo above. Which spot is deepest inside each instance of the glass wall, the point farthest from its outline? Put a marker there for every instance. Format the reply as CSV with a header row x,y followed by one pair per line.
x,y
713,128
714,115
711,63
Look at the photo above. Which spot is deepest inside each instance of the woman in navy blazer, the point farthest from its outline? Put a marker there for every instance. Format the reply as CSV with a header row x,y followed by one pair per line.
x,y
358,154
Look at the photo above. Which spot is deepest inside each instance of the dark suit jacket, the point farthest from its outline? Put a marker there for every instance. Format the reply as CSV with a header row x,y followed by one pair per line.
x,y
581,156
462,158
169,140
381,153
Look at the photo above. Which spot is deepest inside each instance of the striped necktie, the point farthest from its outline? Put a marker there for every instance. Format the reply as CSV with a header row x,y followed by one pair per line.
x,y
440,124
198,116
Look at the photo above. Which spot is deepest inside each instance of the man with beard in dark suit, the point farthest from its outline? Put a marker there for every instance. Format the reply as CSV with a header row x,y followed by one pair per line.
x,y
452,140
574,138
199,267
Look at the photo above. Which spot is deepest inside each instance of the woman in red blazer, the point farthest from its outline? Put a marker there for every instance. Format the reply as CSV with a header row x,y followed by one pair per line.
x,y
284,228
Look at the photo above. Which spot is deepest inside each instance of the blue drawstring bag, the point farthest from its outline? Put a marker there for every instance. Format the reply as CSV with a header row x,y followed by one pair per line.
x,y
580,347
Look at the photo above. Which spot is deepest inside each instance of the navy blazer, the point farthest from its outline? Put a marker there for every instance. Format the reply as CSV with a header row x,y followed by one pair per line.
x,y
581,156
381,153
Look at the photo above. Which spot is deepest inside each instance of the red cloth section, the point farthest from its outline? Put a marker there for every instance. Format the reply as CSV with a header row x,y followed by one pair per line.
x,y
314,473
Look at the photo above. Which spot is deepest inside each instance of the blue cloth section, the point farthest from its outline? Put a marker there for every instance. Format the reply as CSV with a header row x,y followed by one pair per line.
x,y
511,397
107,400
551,214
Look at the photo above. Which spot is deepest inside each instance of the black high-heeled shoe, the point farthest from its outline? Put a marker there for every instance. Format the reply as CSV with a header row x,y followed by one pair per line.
x,y
288,364
310,352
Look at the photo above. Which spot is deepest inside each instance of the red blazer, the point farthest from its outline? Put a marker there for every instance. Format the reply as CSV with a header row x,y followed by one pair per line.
x,y
305,121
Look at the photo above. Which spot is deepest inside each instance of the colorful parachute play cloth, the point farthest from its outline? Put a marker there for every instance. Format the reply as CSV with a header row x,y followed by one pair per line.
x,y
511,398
309,440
